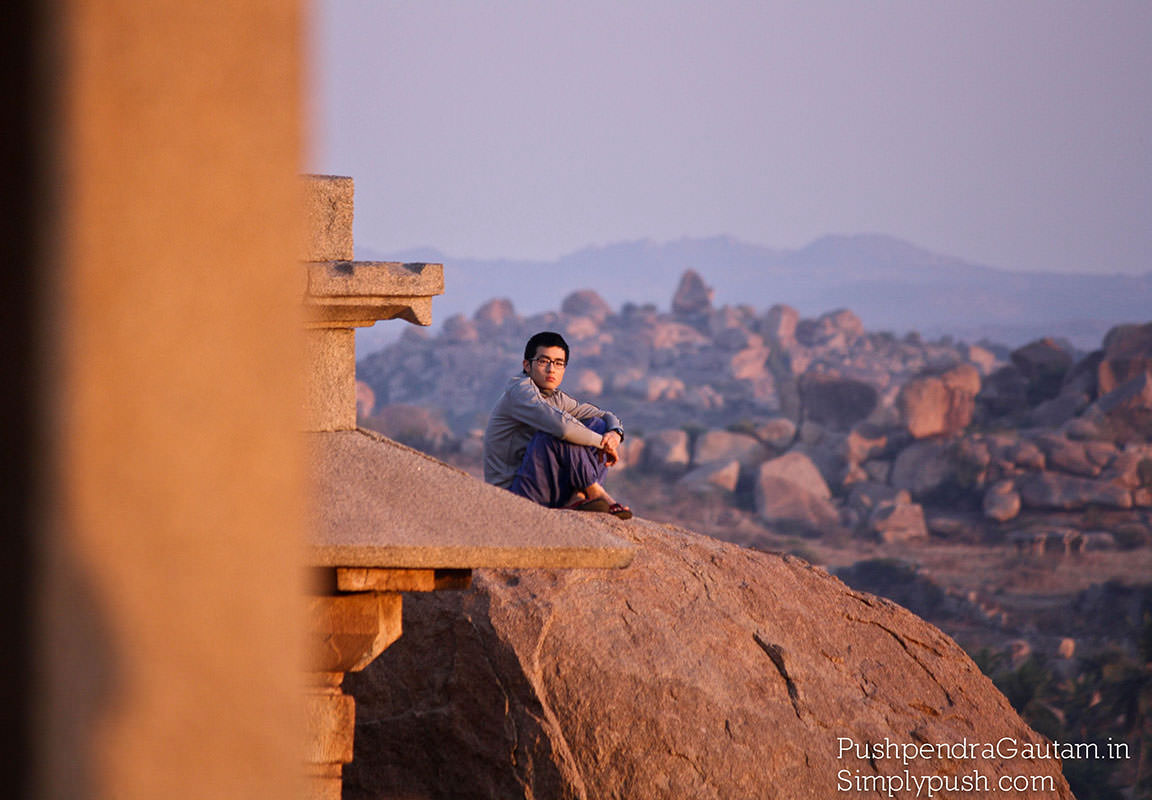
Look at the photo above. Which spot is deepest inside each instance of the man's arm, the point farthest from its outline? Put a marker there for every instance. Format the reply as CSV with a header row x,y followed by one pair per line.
x,y
524,404
589,411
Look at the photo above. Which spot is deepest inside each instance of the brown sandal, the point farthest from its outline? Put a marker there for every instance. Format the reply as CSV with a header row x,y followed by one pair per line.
x,y
592,504
620,511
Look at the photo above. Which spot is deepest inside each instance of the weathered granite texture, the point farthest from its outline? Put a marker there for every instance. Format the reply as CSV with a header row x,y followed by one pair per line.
x,y
328,209
381,504
705,670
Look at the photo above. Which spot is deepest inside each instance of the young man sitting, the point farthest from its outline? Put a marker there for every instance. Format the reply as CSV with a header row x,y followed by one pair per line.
x,y
543,445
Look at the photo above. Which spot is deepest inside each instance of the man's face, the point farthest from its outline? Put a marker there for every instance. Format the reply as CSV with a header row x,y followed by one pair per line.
x,y
551,373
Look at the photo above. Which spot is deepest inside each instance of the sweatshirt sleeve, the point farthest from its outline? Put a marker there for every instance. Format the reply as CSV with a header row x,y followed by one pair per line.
x,y
589,411
527,406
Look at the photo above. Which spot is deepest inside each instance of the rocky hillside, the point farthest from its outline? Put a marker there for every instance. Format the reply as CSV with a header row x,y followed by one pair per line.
x,y
703,670
998,492
818,422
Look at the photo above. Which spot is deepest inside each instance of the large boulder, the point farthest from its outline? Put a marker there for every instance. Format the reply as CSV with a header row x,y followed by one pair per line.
x,y
935,405
779,326
782,504
496,313
1001,501
797,468
923,467
666,334
718,445
1127,354
1125,413
585,383
736,337
1043,363
893,521
693,296
581,330
778,432
747,364
863,442
711,478
1086,459
666,449
704,670
1004,393
586,303
791,492
834,330
836,402
459,329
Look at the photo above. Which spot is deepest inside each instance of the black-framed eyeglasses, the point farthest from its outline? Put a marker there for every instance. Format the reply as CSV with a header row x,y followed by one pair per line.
x,y
544,362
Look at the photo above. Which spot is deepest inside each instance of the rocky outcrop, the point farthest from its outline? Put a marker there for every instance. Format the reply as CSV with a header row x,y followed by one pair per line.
x,y
1043,364
586,303
704,670
692,296
714,445
939,405
496,315
666,449
779,326
713,476
952,424
790,492
836,402
1001,501
1127,354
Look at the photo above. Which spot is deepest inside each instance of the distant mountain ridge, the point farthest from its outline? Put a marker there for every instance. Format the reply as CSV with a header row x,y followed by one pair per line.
x,y
889,283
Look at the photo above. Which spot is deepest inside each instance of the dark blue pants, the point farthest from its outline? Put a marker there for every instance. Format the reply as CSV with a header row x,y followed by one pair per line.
x,y
553,469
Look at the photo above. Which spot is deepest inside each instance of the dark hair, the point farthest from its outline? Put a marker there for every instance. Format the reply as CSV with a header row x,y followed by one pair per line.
x,y
545,339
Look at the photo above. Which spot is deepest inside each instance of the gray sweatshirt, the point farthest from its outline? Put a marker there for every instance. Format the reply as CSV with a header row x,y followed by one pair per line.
x,y
523,410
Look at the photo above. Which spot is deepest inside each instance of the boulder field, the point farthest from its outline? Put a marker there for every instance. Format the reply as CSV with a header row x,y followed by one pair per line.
x,y
702,670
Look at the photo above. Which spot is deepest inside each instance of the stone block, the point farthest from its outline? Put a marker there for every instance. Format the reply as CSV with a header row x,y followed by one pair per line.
x,y
359,293
347,632
328,208
362,579
330,720
330,396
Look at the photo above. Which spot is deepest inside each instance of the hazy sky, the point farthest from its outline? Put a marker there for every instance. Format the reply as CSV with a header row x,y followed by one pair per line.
x,y
1016,134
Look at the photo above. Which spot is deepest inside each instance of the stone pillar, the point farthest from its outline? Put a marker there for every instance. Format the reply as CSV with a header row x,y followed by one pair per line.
x,y
330,397
348,631
351,622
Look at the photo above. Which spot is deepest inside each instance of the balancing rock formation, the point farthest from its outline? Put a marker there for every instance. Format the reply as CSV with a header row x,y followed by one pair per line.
x,y
705,670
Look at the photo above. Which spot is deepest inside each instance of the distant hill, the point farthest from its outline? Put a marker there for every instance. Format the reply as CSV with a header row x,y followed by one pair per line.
x,y
889,283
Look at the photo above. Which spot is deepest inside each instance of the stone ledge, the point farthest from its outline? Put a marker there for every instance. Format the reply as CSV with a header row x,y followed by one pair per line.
x,y
380,504
358,293
374,279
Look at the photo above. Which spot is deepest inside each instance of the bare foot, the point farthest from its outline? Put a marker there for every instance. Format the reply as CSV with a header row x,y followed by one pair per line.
x,y
576,497
597,491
